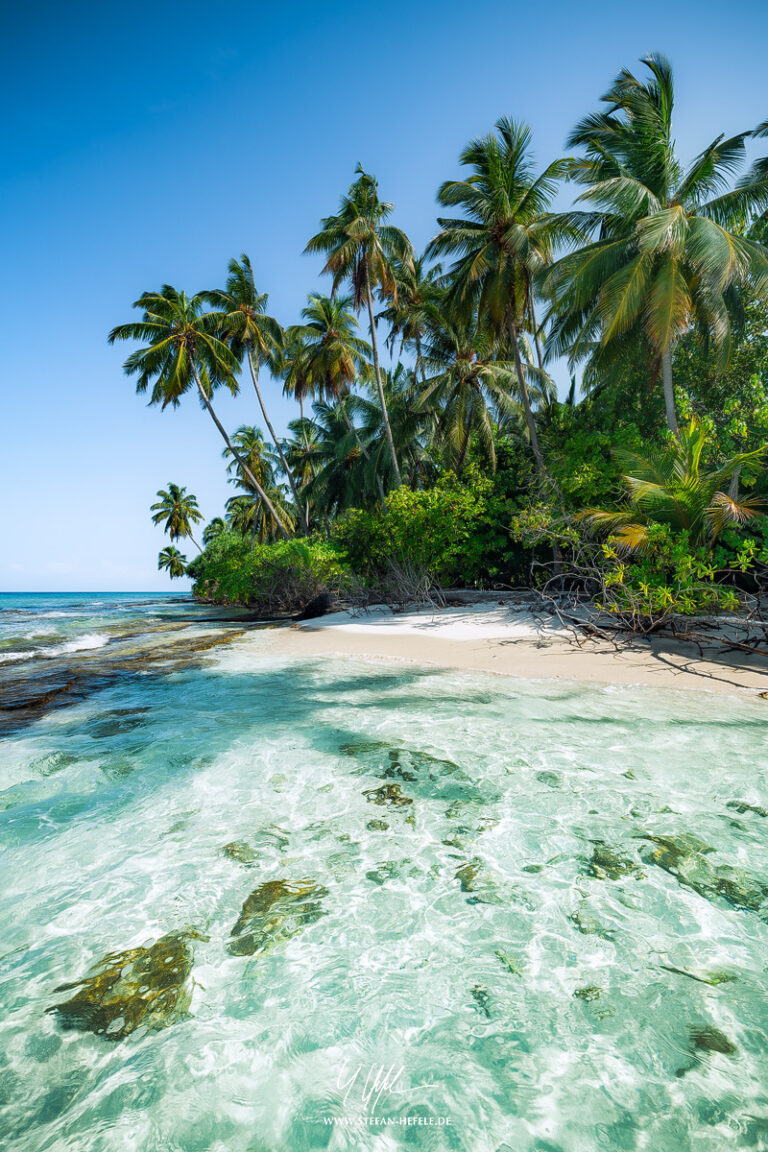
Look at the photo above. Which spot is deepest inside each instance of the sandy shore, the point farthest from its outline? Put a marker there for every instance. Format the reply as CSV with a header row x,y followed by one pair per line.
x,y
498,639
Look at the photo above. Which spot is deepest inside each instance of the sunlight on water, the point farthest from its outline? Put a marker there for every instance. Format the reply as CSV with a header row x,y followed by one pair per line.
x,y
425,910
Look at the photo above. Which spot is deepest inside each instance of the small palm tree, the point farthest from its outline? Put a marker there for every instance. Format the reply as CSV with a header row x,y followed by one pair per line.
x,y
262,463
182,350
253,336
418,293
504,241
361,248
171,559
213,530
671,487
669,253
177,511
465,384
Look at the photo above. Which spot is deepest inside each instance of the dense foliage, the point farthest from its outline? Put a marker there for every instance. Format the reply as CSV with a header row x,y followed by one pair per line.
x,y
457,463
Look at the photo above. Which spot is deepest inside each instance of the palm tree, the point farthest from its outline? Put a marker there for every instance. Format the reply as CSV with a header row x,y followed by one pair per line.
x,y
253,336
418,292
360,248
670,486
178,512
504,240
182,349
465,384
668,254
171,559
213,530
262,462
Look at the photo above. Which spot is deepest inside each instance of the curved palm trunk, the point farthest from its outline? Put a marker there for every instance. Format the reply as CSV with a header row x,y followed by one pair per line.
x,y
225,437
535,328
194,542
541,467
669,391
276,442
377,373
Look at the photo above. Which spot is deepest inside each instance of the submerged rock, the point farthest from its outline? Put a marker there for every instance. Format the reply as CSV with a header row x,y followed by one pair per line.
x,y
377,825
139,988
711,1039
589,993
512,964
52,763
684,858
713,978
275,912
434,777
390,795
115,722
742,807
240,851
588,924
467,874
119,768
606,864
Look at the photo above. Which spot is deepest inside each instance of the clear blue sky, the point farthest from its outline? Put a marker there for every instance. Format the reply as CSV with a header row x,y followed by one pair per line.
x,y
149,143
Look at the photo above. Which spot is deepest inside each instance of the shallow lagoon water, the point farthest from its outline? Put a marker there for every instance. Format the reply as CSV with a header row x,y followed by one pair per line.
x,y
507,965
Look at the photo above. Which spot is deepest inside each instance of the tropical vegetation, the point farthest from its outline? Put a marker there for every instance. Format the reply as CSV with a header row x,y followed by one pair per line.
x,y
576,364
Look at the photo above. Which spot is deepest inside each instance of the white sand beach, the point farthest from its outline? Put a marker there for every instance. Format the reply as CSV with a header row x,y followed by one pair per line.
x,y
506,641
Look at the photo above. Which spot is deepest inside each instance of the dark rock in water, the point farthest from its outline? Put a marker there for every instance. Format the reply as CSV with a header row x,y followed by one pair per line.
x,y
684,858
711,1040
115,722
434,777
742,807
589,993
377,825
482,1000
588,924
390,795
140,988
117,769
609,865
275,912
318,606
467,874
385,871
240,851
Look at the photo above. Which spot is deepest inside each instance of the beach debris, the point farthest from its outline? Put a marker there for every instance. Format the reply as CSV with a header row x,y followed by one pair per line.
x,y
684,858
742,807
482,1000
52,763
713,978
240,851
607,864
275,912
145,987
377,825
390,795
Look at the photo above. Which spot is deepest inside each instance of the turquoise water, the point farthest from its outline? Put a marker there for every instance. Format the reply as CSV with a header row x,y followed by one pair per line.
x,y
506,962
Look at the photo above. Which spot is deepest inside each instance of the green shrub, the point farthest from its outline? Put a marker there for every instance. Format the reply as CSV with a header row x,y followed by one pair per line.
x,y
273,578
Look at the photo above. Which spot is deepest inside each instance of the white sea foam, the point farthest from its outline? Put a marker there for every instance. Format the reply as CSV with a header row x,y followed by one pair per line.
x,y
78,644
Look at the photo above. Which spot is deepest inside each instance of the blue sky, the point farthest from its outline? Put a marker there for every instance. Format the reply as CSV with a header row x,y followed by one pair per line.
x,y
149,143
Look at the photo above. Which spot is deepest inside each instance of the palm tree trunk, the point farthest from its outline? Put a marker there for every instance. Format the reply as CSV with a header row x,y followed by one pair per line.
x,y
535,328
377,373
225,437
275,441
669,391
194,542
541,467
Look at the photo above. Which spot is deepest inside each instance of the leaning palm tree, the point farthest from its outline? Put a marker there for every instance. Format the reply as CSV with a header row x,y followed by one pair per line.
x,y
171,559
669,254
671,486
252,335
504,240
182,350
360,248
177,511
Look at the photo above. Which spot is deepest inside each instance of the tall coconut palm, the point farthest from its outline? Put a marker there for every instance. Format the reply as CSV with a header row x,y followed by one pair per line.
x,y
177,511
360,248
671,486
253,336
182,350
668,254
172,561
213,530
504,240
